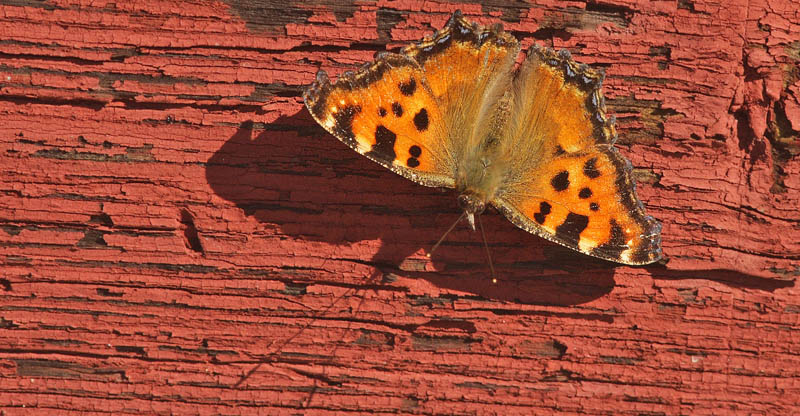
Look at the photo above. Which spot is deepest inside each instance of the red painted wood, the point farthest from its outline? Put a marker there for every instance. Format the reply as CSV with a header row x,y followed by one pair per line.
x,y
178,236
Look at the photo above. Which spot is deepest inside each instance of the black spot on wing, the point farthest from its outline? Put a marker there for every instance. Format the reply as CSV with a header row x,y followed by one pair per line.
x,y
415,151
594,207
544,210
407,88
570,230
590,168
421,120
585,193
383,149
397,109
382,112
560,182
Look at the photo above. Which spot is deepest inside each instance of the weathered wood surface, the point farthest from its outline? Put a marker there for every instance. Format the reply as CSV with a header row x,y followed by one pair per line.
x,y
178,236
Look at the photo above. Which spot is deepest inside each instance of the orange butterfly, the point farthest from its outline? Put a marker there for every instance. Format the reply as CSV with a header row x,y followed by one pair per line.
x,y
451,111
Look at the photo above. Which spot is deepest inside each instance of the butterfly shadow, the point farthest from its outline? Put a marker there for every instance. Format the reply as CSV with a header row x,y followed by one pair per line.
x,y
731,278
292,174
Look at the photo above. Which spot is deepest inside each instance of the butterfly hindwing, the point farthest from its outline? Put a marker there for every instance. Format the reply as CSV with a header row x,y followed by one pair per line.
x,y
577,190
386,111
586,201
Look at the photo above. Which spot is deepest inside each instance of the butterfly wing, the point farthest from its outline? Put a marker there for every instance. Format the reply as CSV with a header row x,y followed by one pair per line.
x,y
460,58
386,111
417,112
565,180
469,69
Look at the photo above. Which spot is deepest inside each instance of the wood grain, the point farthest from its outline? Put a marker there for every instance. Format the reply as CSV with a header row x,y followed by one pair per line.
x,y
177,235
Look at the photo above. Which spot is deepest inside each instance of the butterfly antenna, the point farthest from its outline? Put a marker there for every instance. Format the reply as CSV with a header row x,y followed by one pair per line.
x,y
486,246
435,246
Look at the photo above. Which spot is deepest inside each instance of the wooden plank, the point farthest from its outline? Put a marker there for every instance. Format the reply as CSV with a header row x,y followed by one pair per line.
x,y
177,235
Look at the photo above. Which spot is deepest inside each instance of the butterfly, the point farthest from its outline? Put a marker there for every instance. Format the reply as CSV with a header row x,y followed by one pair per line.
x,y
534,142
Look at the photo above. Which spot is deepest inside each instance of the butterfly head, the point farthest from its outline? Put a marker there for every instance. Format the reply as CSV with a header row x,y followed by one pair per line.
x,y
473,204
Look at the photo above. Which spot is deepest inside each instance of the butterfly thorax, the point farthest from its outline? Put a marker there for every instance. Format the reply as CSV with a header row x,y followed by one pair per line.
x,y
477,183
479,167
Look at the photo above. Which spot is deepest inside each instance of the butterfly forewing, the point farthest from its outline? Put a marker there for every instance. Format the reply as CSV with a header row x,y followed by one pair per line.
x,y
386,112
468,68
460,56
